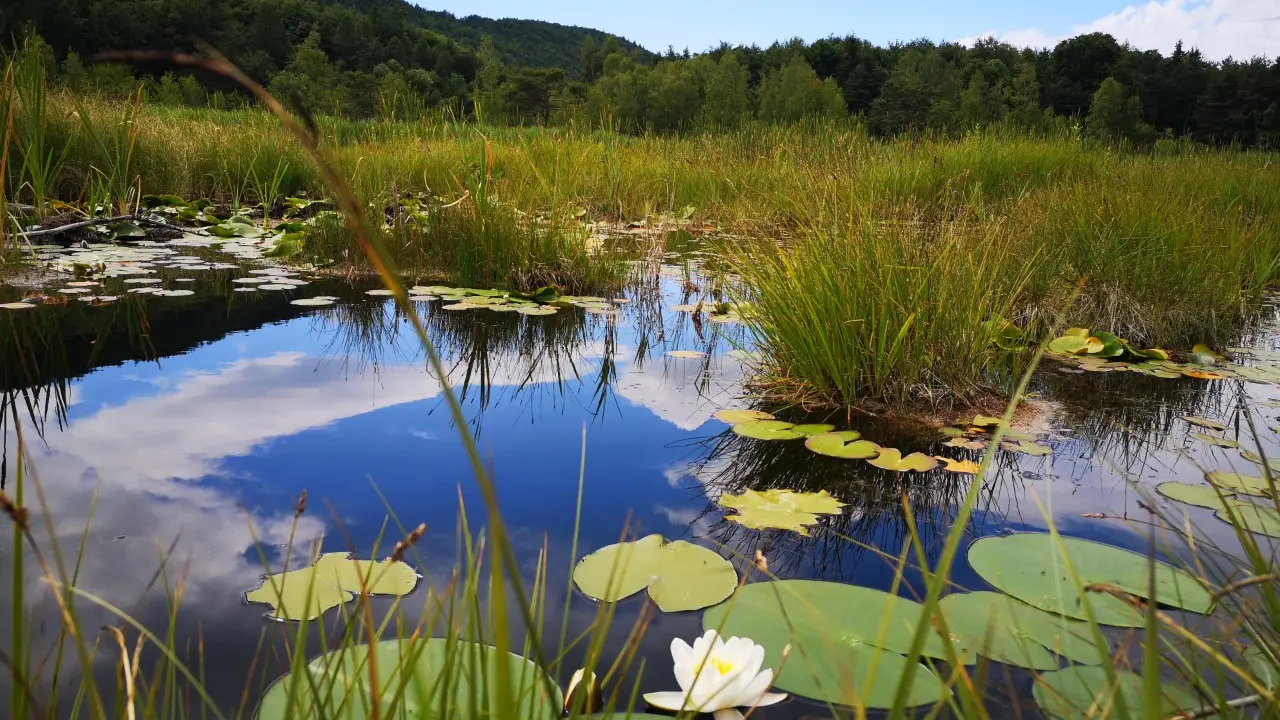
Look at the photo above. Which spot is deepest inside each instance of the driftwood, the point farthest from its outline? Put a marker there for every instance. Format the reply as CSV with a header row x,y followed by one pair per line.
x,y
98,221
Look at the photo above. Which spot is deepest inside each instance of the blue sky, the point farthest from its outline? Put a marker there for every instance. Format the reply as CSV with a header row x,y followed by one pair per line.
x,y
1240,28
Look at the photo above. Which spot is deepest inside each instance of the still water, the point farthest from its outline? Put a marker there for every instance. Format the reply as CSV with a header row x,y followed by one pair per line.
x,y
187,428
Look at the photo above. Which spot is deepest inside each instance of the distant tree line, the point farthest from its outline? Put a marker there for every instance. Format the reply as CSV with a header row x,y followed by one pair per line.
x,y
391,60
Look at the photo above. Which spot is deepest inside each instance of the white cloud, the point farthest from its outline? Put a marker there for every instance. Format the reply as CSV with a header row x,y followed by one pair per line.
x,y
1219,28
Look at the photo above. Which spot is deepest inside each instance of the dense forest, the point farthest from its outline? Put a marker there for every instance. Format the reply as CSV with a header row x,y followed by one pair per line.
x,y
391,59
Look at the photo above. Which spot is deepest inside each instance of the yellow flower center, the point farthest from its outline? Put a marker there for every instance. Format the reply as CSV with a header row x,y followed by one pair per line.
x,y
722,666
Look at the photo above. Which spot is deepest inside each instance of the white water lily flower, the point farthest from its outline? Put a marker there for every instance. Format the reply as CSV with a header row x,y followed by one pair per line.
x,y
717,677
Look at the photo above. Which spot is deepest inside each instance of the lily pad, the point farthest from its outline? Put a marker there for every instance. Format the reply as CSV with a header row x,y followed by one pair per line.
x,y
999,627
1247,484
986,421
1255,518
891,459
176,293
379,292
1068,344
1027,448
811,429
312,302
780,509
419,677
733,417
767,430
844,444
964,467
845,640
536,310
17,306
1207,424
1078,692
1215,440
680,576
687,354
1031,567
334,579
1199,495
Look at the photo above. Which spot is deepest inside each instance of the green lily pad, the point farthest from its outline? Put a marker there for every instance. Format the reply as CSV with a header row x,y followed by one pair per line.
x,y
845,640
679,575
812,429
1031,568
996,626
952,432
126,229
1027,448
415,678
844,444
767,430
1261,665
986,421
1247,484
1079,692
379,292
312,302
1017,436
1068,344
537,310
687,354
334,579
891,459
1199,495
1207,424
16,306
1255,518
733,417
1215,440
780,509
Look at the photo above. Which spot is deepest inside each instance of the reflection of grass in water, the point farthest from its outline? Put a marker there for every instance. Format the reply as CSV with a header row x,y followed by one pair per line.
x,y
873,517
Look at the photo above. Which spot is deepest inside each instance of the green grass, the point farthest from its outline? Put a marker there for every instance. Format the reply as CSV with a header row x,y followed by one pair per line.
x,y
904,283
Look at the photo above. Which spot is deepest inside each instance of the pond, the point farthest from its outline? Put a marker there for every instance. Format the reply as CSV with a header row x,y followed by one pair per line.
x,y
173,434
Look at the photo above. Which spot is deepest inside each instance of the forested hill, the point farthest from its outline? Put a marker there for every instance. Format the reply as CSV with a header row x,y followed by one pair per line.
x,y
525,43
261,34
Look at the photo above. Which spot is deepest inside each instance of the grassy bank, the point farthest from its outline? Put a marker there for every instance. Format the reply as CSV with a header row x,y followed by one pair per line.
x,y
898,260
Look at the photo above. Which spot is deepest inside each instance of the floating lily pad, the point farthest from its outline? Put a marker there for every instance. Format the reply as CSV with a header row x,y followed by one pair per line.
x,y
17,306
1247,484
420,677
845,641
733,417
379,292
999,627
1027,448
780,509
274,286
1207,424
811,429
1199,495
1031,567
1068,344
680,576
684,308
83,284
175,293
1216,441
952,432
964,467
956,442
146,281
1255,518
891,459
767,430
844,444
336,578
1080,692
460,306
312,302
687,354
986,421
537,310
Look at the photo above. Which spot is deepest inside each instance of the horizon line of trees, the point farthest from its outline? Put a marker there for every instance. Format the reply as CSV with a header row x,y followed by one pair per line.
x,y
1090,84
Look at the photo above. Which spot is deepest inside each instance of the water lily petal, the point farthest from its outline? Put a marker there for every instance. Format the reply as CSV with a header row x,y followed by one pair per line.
x,y
673,701
681,652
684,672
770,699
758,685
727,714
